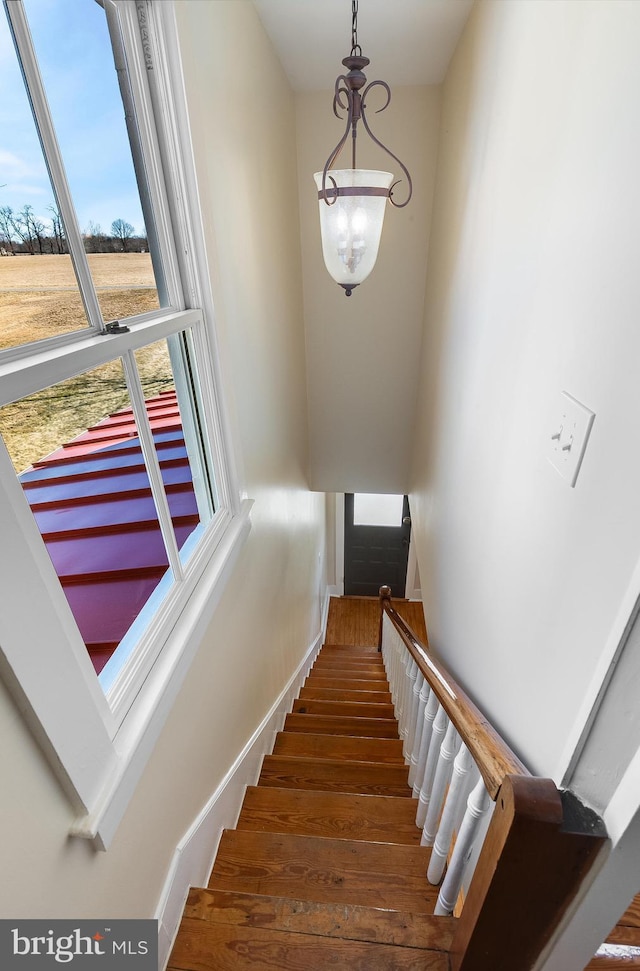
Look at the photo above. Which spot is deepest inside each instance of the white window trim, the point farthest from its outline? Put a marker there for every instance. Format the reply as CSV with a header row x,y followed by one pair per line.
x,y
140,730
98,752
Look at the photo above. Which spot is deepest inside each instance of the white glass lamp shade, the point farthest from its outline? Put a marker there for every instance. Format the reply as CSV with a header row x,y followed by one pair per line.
x,y
351,226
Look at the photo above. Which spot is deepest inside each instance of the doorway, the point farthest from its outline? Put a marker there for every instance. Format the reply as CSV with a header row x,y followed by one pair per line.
x,y
377,532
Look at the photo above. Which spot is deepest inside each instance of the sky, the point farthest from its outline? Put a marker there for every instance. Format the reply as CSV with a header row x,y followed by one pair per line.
x,y
72,45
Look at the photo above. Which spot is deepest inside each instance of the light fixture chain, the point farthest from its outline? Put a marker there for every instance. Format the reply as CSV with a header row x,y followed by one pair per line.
x,y
355,46
351,231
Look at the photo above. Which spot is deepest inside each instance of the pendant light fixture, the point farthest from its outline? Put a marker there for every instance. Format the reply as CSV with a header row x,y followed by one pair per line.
x,y
352,201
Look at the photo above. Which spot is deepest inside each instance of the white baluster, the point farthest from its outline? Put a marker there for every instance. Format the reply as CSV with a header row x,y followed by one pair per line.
x,y
384,650
402,686
415,708
430,712
456,798
402,690
477,807
409,707
448,752
440,725
423,697
394,675
384,647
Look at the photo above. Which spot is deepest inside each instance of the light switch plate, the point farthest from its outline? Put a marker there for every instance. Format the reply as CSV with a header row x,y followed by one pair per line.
x,y
569,436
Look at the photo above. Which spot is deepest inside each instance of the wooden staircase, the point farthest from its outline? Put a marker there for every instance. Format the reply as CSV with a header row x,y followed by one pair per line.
x,y
325,868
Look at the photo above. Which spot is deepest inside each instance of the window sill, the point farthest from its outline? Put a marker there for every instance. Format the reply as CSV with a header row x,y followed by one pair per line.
x,y
141,728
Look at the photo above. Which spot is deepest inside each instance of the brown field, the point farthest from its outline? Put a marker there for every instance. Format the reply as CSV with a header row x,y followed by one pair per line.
x,y
39,298
125,270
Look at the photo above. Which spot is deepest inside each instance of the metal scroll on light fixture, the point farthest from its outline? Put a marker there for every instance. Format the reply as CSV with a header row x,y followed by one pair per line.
x,y
352,201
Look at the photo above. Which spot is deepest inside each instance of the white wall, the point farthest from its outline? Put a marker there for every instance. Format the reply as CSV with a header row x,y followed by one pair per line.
x,y
363,351
270,612
533,289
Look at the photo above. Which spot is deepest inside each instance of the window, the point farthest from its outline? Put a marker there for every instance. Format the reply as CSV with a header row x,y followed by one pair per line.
x,y
377,510
116,495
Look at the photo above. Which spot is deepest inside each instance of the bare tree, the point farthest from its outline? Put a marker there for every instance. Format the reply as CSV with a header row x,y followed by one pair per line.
x,y
34,226
23,228
95,240
57,229
123,231
7,233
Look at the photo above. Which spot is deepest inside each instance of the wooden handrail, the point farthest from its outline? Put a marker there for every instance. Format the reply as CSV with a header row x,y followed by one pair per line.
x,y
492,755
534,831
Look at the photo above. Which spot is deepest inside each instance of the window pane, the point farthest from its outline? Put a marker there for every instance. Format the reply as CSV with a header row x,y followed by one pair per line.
x,y
98,139
85,479
39,295
40,423
168,379
377,510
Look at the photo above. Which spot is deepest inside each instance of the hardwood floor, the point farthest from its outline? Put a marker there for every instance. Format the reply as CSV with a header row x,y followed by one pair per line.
x,y
355,620
325,867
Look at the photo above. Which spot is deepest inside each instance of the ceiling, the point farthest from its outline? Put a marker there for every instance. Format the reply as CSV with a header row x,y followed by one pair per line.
x,y
407,41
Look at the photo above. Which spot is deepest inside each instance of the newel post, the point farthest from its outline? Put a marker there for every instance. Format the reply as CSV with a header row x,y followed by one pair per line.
x,y
539,847
385,597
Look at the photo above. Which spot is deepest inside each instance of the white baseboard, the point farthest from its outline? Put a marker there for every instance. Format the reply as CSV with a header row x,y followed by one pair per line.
x,y
195,853
330,592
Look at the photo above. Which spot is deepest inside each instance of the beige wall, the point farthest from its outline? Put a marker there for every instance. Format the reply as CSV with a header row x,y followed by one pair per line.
x,y
270,613
363,351
533,289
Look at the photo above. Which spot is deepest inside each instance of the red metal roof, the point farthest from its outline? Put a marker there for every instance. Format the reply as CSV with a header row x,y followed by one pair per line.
x,y
92,501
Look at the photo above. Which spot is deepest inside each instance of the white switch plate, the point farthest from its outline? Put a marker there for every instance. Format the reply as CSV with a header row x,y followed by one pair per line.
x,y
569,436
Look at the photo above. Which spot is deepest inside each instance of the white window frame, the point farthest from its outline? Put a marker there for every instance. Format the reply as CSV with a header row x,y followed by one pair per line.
x,y
98,745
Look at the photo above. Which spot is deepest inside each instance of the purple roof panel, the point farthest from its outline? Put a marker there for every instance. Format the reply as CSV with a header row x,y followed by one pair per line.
x,y
114,512
93,505
117,553
102,627
117,457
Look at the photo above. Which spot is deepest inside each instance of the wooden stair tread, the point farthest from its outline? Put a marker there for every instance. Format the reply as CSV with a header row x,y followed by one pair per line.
x,y
345,684
625,934
344,659
324,870
348,650
339,746
205,946
335,815
335,775
341,725
350,661
351,921
345,694
368,673
361,709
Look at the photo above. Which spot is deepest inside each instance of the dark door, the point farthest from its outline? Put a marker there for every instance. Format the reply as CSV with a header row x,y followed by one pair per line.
x,y
375,555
